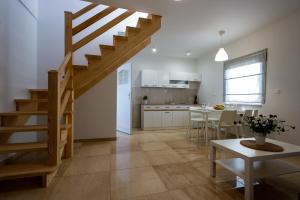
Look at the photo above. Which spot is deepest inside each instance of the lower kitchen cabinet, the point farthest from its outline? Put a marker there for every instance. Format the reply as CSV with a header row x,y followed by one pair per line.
x,y
180,118
164,119
152,119
167,119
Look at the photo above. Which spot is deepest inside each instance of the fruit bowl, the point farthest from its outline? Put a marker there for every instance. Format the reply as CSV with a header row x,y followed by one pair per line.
x,y
219,107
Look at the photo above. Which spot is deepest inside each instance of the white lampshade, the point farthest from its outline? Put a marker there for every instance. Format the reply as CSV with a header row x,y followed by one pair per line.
x,y
221,55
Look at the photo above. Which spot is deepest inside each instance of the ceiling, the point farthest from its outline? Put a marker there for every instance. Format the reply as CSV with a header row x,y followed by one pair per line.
x,y
193,25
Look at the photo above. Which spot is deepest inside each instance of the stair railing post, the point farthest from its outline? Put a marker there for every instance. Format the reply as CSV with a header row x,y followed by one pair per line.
x,y
54,103
70,117
68,32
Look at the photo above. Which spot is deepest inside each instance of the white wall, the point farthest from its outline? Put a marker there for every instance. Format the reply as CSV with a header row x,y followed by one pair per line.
x,y
159,95
18,36
95,112
93,117
283,43
32,6
18,57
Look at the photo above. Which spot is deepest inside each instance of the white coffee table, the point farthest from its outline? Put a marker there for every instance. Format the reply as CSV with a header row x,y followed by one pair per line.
x,y
252,164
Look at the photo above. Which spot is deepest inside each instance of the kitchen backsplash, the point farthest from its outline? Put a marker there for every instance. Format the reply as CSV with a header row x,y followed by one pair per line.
x,y
164,96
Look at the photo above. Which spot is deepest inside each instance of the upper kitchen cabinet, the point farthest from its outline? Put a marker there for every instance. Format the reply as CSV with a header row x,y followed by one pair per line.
x,y
163,79
149,78
184,76
196,77
178,76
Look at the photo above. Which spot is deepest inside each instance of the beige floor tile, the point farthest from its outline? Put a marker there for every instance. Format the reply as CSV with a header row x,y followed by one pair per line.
x,y
158,196
88,165
143,166
137,182
146,138
94,149
192,153
129,160
179,144
124,146
176,176
164,157
93,186
203,192
155,146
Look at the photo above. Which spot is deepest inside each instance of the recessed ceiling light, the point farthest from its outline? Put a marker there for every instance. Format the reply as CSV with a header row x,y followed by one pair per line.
x,y
177,0
188,53
154,50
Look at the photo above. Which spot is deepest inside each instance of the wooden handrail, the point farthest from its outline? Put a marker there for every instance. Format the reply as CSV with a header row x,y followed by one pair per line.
x,y
65,81
65,63
93,20
101,30
84,10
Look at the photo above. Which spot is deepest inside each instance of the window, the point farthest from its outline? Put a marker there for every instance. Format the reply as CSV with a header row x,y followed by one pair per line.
x,y
245,79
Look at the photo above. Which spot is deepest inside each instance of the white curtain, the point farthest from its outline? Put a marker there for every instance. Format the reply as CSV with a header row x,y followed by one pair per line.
x,y
245,78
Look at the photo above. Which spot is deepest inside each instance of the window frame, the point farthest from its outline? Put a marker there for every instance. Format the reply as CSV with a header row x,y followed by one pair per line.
x,y
227,64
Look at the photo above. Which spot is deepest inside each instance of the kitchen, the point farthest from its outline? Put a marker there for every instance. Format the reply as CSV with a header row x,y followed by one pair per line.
x,y
170,85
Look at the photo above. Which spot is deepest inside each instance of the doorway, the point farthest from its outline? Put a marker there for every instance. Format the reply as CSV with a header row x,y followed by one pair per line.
x,y
124,99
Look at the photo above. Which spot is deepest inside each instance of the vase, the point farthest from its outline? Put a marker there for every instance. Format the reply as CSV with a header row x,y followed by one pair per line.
x,y
145,102
260,138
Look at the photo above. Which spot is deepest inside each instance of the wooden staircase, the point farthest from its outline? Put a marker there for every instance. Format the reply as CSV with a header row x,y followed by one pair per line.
x,y
64,85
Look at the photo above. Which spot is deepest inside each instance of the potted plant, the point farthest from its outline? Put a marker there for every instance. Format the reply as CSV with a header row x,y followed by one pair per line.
x,y
263,125
145,100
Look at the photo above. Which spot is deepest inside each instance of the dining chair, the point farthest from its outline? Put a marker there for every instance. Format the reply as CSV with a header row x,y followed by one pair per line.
x,y
214,117
195,119
227,120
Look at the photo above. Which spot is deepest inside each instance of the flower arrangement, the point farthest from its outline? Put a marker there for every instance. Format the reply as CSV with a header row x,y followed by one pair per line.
x,y
266,125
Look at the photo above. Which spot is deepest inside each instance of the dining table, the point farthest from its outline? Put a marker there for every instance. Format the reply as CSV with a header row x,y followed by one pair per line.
x,y
205,111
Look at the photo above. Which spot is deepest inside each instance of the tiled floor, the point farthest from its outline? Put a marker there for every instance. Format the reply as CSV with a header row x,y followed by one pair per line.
x,y
152,165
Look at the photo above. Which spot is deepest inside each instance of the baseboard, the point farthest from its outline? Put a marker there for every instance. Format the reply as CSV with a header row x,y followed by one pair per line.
x,y
96,140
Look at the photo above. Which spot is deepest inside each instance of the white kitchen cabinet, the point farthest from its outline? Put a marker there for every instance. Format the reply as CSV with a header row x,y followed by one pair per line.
x,y
183,76
178,76
152,119
180,118
163,79
156,117
196,77
149,78
167,119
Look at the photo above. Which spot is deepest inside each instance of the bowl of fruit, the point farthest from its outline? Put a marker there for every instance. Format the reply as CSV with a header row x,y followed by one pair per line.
x,y
219,107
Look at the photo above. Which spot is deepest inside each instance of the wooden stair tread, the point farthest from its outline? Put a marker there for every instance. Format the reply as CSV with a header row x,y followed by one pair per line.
x,y
24,170
38,90
29,128
120,37
23,147
94,57
80,67
24,113
17,113
131,28
146,20
30,100
104,46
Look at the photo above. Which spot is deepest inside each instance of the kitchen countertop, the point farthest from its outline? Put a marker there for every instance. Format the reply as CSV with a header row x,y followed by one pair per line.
x,y
167,107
